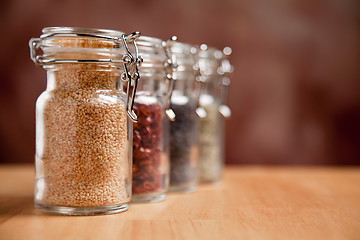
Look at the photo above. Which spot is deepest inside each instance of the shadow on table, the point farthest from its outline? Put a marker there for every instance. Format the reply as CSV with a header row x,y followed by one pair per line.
x,y
19,205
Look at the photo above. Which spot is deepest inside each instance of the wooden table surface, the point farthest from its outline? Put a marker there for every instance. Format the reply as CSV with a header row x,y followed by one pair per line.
x,y
250,203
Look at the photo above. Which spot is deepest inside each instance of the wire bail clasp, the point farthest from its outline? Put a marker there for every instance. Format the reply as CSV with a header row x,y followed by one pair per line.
x,y
170,66
224,108
200,85
131,74
225,70
200,81
34,45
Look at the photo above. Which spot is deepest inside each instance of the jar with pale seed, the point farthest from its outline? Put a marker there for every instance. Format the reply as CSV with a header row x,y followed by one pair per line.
x,y
211,127
83,147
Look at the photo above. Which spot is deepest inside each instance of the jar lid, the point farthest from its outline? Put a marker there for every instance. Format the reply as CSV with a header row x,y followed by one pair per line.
x,y
152,51
182,55
80,45
226,67
48,31
209,61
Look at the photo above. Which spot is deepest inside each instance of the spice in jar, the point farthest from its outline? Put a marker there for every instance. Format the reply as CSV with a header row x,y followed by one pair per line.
x,y
147,147
82,146
83,164
210,159
183,142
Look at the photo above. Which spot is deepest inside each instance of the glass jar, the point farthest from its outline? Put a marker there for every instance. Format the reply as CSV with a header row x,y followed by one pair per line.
x,y
211,127
183,131
83,132
151,131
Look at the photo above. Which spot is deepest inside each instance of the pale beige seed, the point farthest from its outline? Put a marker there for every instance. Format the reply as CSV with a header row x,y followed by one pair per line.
x,y
85,157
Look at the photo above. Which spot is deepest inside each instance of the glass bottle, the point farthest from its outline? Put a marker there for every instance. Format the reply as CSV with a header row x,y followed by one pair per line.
x,y
213,100
183,131
151,131
84,120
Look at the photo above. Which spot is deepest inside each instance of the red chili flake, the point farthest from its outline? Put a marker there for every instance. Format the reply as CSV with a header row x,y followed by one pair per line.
x,y
147,149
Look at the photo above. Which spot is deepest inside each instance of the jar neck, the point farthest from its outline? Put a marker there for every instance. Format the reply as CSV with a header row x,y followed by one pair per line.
x,y
152,82
184,84
211,86
83,76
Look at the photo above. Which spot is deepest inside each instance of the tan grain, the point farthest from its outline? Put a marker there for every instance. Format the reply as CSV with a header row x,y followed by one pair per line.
x,y
84,161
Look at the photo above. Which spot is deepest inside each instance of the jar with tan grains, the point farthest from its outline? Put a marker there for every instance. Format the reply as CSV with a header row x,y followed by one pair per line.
x,y
84,120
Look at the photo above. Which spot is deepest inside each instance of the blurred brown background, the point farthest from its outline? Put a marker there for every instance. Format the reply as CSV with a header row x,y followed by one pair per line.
x,y
295,92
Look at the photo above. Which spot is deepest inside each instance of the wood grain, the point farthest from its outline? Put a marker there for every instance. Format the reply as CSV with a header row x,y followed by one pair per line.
x,y
250,203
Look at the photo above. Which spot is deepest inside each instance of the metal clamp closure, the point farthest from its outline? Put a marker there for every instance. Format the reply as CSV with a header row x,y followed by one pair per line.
x,y
200,86
200,111
225,69
170,66
131,74
34,45
223,107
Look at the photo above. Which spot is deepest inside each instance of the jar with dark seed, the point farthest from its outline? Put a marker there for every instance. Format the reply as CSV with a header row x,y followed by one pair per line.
x,y
83,152
183,131
150,136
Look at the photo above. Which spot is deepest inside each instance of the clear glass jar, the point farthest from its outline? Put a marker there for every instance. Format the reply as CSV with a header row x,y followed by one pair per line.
x,y
151,131
211,127
183,131
83,132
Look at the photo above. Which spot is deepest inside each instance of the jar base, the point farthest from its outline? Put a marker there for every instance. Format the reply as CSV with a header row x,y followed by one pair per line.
x,y
188,189
82,211
148,198
210,181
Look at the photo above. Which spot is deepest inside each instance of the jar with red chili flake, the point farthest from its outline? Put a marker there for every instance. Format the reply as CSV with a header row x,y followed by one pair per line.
x,y
150,180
